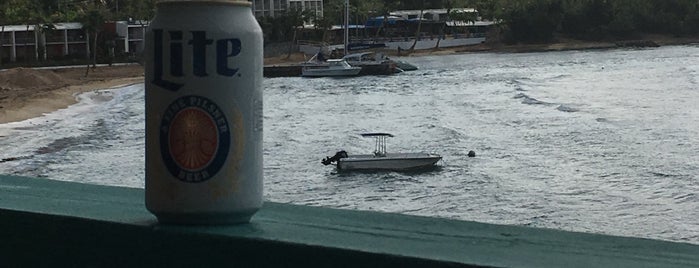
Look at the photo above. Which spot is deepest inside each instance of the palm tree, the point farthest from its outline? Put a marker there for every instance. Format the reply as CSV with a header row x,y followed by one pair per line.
x,y
419,28
387,7
295,19
92,17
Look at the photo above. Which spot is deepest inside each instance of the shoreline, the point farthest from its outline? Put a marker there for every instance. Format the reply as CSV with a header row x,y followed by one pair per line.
x,y
27,93
58,99
560,44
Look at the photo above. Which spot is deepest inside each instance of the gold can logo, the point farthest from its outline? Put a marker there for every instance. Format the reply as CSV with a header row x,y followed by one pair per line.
x,y
194,138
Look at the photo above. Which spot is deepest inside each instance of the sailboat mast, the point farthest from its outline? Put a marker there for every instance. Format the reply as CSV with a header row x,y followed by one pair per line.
x,y
346,39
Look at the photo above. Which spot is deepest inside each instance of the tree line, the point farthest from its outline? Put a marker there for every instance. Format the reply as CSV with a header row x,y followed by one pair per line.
x,y
541,20
92,14
527,21
519,20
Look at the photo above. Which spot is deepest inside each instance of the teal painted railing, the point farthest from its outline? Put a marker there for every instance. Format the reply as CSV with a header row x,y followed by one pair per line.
x,y
47,223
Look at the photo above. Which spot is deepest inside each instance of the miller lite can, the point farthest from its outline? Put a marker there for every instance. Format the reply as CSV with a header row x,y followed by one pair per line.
x,y
203,94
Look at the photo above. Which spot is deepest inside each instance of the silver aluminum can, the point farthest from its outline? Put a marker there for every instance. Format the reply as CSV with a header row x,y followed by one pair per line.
x,y
203,112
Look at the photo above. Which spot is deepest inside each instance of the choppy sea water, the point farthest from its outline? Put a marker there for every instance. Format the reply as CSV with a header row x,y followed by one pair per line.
x,y
592,141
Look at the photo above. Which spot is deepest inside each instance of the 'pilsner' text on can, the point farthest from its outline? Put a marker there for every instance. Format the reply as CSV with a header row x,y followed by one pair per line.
x,y
203,112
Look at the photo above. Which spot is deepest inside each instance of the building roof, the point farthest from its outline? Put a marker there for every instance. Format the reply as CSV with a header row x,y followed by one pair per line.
x,y
429,11
18,28
351,26
59,26
469,23
68,25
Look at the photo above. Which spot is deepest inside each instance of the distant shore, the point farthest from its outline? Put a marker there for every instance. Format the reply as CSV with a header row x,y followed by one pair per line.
x,y
572,44
561,44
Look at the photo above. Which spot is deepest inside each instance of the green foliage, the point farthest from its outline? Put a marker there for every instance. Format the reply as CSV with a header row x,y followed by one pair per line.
x,y
587,19
282,27
463,16
531,21
52,11
134,9
11,11
541,20
521,20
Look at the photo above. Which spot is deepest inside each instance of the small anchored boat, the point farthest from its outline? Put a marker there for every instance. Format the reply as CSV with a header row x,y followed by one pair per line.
x,y
382,160
332,68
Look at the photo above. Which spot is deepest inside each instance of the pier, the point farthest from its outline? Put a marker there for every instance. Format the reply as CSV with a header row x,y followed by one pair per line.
x,y
48,223
294,70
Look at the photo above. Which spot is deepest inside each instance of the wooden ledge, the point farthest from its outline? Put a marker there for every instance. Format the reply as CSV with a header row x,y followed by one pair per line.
x,y
52,223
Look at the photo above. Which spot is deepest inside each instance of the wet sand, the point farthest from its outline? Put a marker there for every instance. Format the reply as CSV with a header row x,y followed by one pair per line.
x,y
27,93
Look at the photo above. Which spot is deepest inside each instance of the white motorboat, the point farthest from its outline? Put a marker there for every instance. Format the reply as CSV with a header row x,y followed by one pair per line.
x,y
405,66
369,58
332,67
381,160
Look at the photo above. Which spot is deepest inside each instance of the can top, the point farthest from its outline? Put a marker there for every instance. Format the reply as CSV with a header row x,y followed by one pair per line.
x,y
227,2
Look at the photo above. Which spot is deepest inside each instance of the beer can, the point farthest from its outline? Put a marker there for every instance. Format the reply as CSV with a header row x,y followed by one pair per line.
x,y
203,94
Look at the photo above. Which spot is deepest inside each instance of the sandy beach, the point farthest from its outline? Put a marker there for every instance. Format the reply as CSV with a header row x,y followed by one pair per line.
x,y
26,93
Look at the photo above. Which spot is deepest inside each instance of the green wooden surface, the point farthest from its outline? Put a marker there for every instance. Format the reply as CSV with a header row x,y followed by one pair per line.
x,y
52,223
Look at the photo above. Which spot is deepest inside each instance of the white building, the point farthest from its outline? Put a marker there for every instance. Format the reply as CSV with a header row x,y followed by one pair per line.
x,y
429,14
313,5
130,35
22,42
273,8
67,40
269,8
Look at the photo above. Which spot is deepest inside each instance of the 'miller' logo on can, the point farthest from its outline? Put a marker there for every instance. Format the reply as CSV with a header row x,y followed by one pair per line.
x,y
225,48
194,138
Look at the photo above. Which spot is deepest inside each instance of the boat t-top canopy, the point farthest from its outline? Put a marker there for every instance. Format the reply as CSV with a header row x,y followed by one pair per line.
x,y
376,134
380,147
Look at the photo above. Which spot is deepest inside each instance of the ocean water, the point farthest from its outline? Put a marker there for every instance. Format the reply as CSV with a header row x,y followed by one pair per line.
x,y
593,141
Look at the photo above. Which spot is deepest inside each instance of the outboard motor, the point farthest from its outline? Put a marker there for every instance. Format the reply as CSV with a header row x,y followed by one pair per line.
x,y
329,160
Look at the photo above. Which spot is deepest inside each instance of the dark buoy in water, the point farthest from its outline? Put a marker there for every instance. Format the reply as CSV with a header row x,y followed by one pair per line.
x,y
471,154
